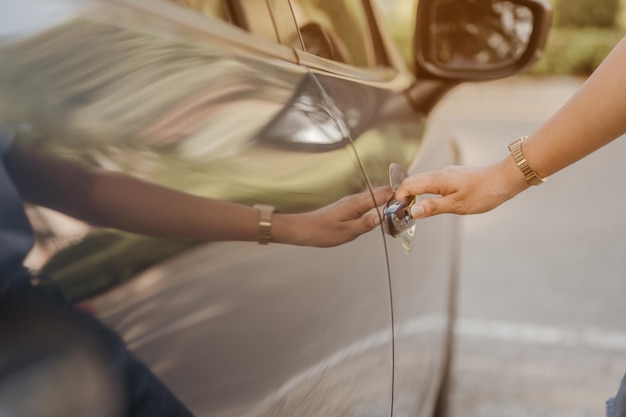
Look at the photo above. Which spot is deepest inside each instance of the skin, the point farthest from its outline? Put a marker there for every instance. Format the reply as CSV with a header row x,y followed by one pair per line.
x,y
126,203
593,117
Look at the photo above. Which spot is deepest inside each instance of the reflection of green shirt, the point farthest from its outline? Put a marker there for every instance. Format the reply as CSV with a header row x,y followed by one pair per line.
x,y
16,234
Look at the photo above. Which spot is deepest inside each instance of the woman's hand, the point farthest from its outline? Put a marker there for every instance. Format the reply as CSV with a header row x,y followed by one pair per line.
x,y
463,190
337,223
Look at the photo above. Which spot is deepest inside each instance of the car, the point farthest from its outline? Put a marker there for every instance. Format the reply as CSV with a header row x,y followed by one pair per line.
x,y
291,103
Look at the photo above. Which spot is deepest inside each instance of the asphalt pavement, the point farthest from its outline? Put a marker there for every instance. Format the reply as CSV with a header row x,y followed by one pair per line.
x,y
542,325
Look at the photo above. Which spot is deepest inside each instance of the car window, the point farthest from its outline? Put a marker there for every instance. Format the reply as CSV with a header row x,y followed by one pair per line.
x,y
335,29
251,15
399,20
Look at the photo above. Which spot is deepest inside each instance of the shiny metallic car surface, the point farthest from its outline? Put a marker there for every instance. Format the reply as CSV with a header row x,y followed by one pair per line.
x,y
293,103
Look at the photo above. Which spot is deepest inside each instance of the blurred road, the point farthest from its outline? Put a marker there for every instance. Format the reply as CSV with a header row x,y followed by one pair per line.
x,y
542,329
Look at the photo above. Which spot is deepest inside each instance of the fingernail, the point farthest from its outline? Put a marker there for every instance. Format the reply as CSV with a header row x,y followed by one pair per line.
x,y
376,220
417,211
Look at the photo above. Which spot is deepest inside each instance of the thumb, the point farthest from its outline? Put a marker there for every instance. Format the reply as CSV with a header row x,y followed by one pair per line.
x,y
431,207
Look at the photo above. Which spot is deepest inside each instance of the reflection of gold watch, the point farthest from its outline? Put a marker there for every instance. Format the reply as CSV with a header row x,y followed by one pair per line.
x,y
265,223
518,156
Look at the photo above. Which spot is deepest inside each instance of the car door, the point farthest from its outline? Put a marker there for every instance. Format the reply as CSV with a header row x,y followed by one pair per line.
x,y
344,38
191,101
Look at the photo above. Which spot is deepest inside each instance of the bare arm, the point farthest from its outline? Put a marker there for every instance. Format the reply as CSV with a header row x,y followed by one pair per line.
x,y
126,203
593,117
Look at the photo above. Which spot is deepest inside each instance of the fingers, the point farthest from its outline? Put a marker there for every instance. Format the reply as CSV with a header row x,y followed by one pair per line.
x,y
425,183
367,222
362,203
445,182
382,195
431,207
363,225
348,219
358,222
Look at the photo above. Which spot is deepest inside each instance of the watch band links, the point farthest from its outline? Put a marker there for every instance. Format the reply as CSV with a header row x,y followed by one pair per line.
x,y
518,156
265,223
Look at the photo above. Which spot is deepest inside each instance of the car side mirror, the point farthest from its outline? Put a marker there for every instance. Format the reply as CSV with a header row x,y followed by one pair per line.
x,y
473,40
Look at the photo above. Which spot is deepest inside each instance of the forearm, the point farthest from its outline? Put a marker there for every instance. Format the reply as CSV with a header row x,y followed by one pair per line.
x,y
134,205
593,117
126,203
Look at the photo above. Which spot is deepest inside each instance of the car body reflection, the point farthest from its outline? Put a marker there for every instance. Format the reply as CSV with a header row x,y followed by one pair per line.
x,y
250,102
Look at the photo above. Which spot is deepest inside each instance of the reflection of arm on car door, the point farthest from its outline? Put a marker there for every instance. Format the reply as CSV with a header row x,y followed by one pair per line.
x,y
130,204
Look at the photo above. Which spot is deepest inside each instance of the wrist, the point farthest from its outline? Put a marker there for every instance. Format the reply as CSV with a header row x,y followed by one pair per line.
x,y
285,229
266,213
512,180
517,153
281,228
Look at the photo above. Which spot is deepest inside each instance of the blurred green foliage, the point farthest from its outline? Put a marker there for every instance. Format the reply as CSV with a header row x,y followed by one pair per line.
x,y
576,51
586,13
584,32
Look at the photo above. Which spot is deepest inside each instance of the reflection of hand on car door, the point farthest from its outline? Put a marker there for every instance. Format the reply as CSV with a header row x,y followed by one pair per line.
x,y
127,203
334,224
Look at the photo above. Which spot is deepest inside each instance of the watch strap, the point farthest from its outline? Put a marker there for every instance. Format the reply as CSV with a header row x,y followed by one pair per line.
x,y
265,223
518,156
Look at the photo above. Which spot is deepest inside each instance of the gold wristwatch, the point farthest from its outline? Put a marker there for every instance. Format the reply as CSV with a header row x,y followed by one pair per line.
x,y
518,156
265,223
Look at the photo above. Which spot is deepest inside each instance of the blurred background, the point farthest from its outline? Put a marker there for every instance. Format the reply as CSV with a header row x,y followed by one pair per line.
x,y
541,329
583,32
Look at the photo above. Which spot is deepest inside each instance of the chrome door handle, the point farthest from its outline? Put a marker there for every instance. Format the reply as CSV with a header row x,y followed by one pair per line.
x,y
397,220
397,216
